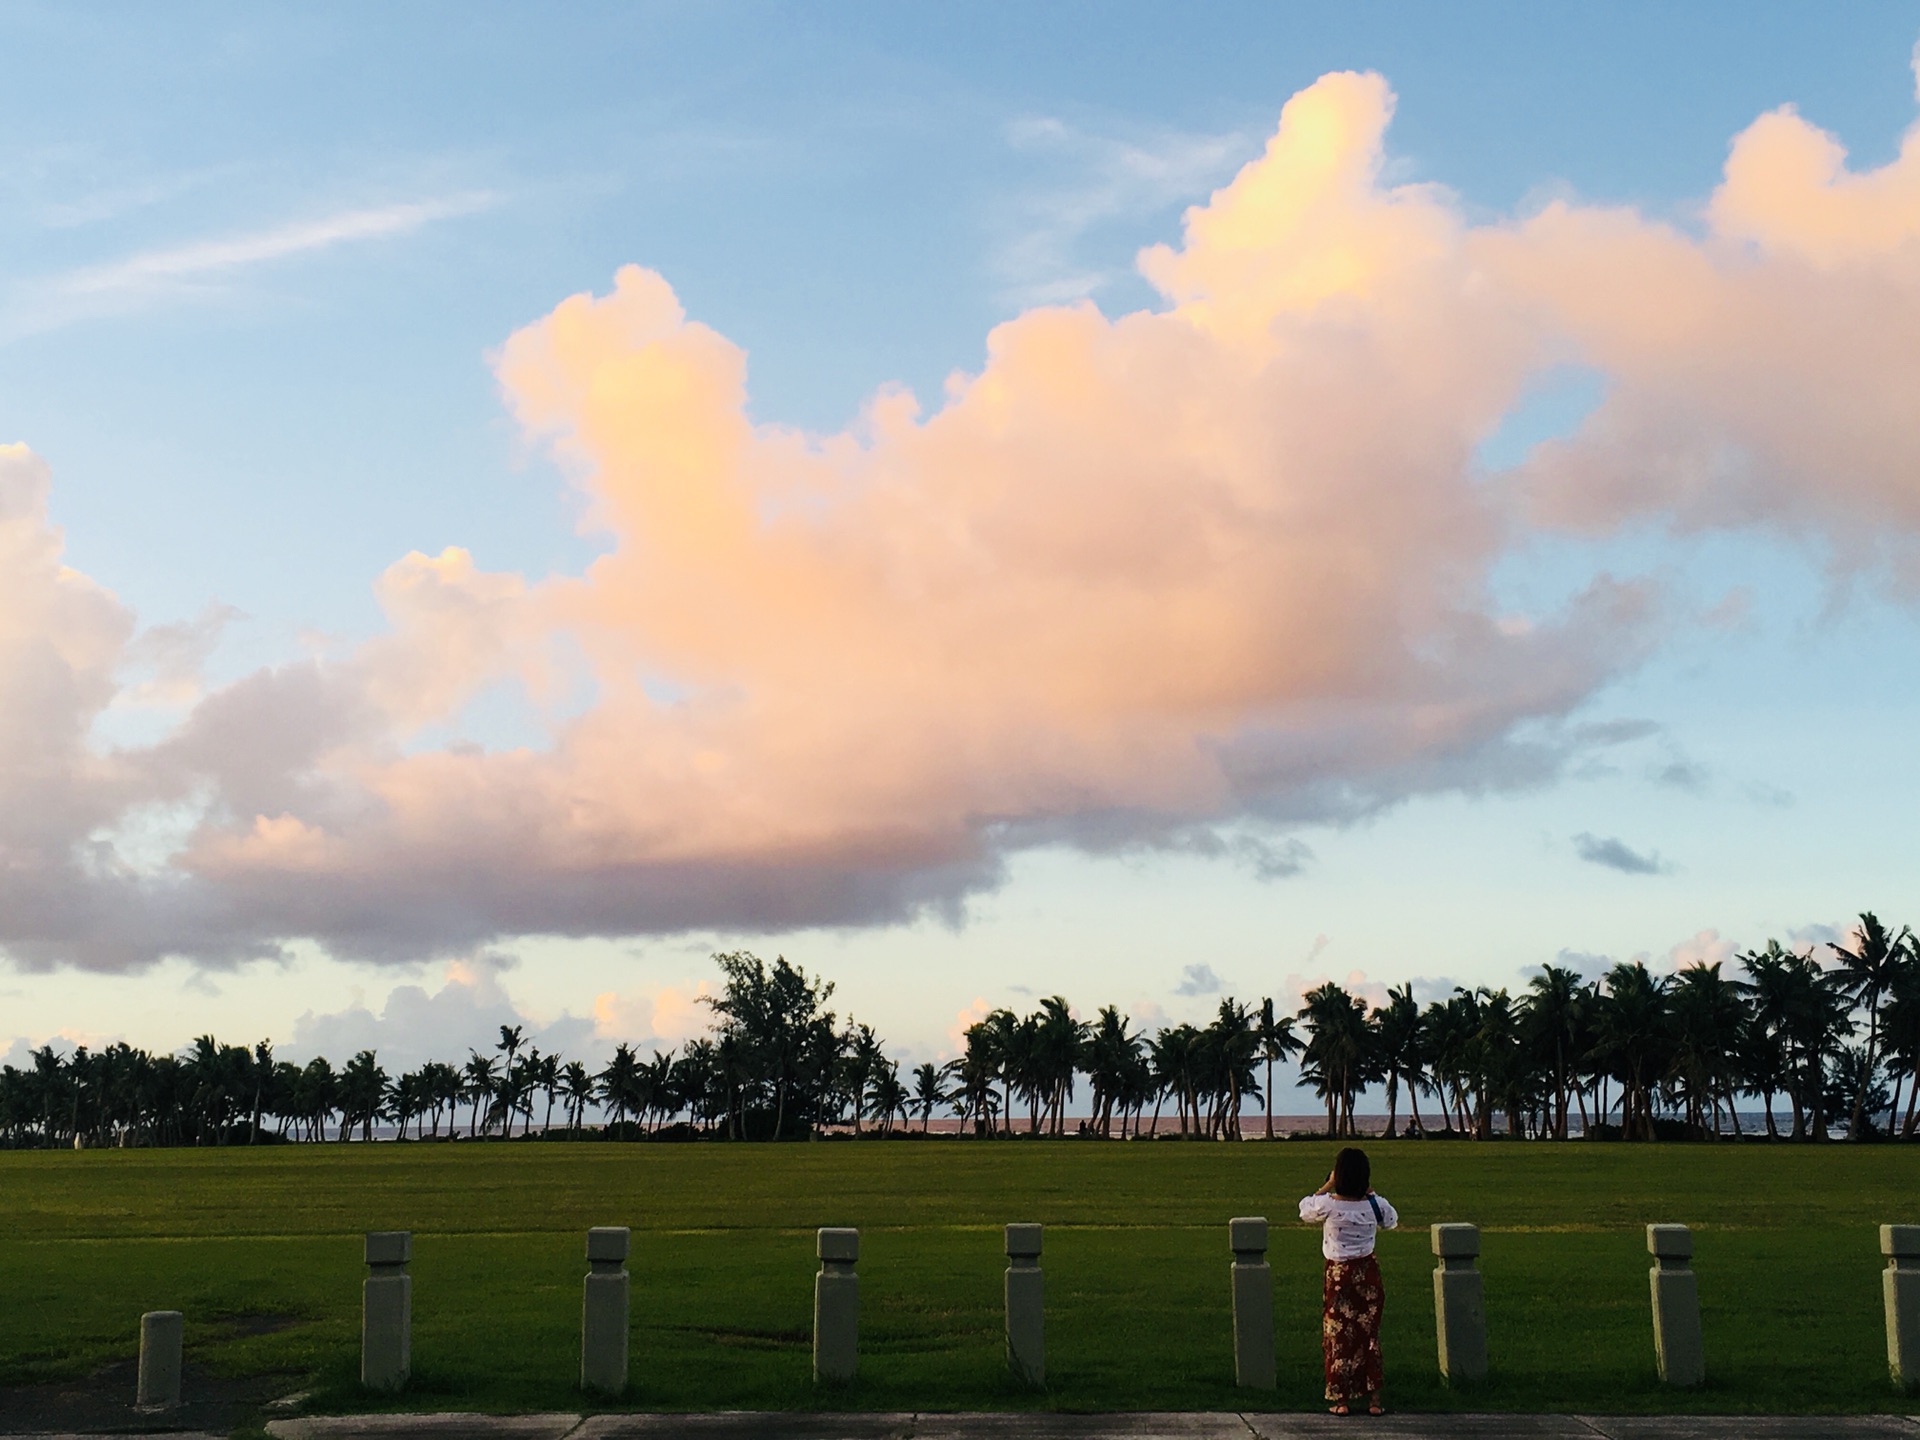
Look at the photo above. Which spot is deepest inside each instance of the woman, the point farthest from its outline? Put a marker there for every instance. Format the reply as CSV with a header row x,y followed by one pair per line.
x,y
1351,1295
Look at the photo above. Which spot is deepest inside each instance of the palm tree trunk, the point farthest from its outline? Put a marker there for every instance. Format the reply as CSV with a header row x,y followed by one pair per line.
x,y
1854,1130
1269,1095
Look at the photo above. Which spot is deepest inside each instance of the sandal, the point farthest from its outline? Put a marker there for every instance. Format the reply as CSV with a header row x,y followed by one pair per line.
x,y
1339,1409
1376,1409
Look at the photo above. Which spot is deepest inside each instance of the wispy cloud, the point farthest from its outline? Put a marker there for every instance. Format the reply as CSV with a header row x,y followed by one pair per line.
x,y
1618,855
1042,258
207,258
55,300
96,205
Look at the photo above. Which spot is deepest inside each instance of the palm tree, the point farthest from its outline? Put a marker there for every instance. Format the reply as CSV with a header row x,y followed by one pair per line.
x,y
1709,1020
617,1081
1900,1032
927,1092
1059,1046
1277,1042
1868,971
1400,1038
1633,1032
576,1081
262,1076
975,1072
1231,1045
1553,1014
1335,1058
858,1062
1771,987
510,1042
888,1095
363,1094
1001,1030
481,1078
1171,1054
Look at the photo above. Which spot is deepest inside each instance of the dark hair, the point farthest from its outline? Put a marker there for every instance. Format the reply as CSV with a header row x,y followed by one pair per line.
x,y
1352,1175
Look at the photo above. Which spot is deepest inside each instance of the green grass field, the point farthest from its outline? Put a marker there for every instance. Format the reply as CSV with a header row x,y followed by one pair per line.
x,y
261,1249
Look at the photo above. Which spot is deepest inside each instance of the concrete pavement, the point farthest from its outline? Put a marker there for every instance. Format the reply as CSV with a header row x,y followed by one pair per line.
x,y
1048,1425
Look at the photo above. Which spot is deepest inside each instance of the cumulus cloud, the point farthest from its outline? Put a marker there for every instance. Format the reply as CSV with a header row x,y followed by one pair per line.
x,y
1134,578
1297,986
1760,372
79,881
667,1016
1704,947
414,1025
1616,854
1198,980
1194,577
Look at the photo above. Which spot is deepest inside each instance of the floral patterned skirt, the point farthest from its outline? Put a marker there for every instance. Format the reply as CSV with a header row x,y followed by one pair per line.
x,y
1350,1300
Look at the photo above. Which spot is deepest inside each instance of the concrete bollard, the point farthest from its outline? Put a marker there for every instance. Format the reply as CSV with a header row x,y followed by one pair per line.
x,y
1900,1290
1676,1306
603,1311
1026,1309
1252,1303
836,1306
386,1311
161,1334
1459,1304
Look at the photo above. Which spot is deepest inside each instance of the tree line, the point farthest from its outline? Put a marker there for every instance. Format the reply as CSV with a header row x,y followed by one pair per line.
x,y
1833,1043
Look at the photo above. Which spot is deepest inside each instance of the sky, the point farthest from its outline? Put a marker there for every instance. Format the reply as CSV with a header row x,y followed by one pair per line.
x,y
1143,505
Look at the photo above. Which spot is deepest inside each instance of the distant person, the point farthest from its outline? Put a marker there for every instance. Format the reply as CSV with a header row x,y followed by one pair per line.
x,y
1351,1294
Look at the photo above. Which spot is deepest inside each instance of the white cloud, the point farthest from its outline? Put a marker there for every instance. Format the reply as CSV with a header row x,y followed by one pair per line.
x,y
205,258
415,1025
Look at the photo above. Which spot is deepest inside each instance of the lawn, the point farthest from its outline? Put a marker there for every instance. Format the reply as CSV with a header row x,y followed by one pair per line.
x,y
261,1249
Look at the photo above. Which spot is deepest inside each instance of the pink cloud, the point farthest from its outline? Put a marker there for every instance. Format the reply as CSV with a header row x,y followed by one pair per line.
x,y
1136,575
1762,371
1216,563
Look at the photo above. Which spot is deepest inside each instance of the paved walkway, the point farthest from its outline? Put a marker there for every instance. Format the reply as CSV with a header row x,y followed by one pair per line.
x,y
1031,1425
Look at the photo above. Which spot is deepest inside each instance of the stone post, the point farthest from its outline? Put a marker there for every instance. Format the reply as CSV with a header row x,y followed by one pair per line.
x,y
1459,1304
1252,1303
161,1333
1900,1290
1026,1312
603,1311
1676,1306
386,1311
836,1306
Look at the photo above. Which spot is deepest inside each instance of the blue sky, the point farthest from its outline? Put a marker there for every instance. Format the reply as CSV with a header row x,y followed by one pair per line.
x,y
255,266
